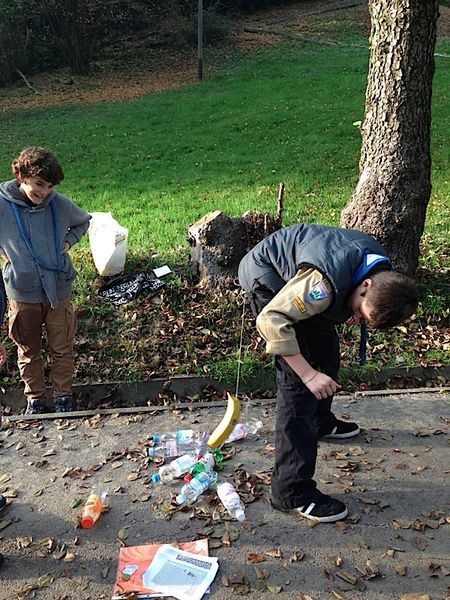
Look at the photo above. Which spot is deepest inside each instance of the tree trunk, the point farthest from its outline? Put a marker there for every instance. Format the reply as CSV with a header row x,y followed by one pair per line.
x,y
394,188
218,244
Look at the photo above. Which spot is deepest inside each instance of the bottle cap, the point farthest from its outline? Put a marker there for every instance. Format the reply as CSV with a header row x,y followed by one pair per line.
x,y
87,522
187,478
240,515
156,478
156,439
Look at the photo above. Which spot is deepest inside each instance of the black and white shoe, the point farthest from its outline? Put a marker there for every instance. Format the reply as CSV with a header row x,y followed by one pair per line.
x,y
63,404
341,431
324,509
35,407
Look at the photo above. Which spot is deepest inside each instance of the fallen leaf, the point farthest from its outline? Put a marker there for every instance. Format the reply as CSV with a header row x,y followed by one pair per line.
x,y
419,543
275,553
401,570
255,558
297,556
46,580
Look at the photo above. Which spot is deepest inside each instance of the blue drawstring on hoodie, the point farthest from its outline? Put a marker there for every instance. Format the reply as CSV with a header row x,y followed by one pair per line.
x,y
363,271
29,245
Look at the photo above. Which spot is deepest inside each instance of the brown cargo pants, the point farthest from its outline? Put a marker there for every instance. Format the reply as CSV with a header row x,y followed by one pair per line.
x,y
25,328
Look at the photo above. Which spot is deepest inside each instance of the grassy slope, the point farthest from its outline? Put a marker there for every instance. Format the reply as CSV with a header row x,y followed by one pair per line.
x,y
160,162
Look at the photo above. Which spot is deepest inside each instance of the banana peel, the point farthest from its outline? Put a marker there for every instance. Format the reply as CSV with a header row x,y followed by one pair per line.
x,y
226,425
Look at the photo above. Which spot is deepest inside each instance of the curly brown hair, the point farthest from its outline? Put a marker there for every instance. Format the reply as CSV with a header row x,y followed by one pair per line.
x,y
37,162
392,298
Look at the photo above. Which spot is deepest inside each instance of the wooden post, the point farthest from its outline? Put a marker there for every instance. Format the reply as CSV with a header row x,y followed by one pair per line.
x,y
280,206
200,40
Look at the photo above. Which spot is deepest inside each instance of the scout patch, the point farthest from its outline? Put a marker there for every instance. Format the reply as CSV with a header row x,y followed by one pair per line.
x,y
319,292
299,304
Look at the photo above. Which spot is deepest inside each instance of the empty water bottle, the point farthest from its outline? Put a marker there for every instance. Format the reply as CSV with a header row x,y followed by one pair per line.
x,y
230,499
208,462
199,484
176,468
242,430
176,443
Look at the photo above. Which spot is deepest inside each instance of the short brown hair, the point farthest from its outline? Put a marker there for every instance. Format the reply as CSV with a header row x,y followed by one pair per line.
x,y
37,162
392,298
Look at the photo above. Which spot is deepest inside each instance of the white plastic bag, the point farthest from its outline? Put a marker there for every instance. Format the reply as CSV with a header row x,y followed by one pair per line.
x,y
108,241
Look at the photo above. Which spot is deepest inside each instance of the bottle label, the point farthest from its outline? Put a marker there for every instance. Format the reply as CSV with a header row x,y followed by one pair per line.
x,y
224,490
184,462
171,448
184,437
201,482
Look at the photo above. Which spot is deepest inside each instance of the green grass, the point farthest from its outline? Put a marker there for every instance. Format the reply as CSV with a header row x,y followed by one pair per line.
x,y
161,162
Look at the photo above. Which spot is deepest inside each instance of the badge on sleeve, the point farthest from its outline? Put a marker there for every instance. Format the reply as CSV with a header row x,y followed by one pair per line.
x,y
319,292
299,304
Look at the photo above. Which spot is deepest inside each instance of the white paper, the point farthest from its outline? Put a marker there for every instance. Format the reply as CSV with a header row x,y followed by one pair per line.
x,y
180,574
160,271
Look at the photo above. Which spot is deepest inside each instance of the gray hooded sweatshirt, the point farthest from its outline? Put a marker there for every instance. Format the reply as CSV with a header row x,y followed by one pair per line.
x,y
32,239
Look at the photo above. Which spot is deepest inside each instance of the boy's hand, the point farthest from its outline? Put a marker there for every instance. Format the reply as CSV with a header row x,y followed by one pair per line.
x,y
322,386
3,256
2,355
66,248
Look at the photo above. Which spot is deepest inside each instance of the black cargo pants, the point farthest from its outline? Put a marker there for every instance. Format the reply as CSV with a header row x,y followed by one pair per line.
x,y
301,419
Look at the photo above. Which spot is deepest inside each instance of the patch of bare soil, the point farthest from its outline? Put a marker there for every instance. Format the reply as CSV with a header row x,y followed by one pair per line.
x,y
132,71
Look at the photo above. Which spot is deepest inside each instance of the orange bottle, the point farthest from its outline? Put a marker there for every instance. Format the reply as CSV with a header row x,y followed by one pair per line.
x,y
93,507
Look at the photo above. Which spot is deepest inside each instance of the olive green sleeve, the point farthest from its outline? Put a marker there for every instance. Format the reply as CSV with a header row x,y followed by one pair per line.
x,y
305,295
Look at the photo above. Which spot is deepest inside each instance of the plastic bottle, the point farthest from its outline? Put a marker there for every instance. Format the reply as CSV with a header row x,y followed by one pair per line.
x,y
93,507
176,468
208,462
242,430
230,499
199,484
176,443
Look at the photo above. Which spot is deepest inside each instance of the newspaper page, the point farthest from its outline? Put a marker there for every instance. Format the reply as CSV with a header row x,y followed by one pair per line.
x,y
180,574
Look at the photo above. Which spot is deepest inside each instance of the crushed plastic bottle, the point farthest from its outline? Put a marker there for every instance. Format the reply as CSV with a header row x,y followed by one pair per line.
x,y
208,462
242,430
199,484
93,507
176,443
230,499
176,468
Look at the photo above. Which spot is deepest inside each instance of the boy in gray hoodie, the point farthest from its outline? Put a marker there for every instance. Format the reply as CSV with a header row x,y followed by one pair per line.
x,y
38,226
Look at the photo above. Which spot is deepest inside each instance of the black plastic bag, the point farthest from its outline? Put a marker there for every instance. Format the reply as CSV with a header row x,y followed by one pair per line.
x,y
123,289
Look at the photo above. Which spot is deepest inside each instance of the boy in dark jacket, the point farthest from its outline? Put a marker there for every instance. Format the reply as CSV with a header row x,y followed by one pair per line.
x,y
301,281
38,226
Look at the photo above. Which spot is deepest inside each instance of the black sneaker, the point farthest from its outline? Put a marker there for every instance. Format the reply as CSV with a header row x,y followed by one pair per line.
x,y
342,430
35,407
323,509
63,404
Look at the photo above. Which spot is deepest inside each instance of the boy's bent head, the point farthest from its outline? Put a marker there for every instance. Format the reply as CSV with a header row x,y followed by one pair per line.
x,y
37,162
391,298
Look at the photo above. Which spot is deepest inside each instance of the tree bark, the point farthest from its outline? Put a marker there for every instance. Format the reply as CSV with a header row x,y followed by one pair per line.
x,y
394,188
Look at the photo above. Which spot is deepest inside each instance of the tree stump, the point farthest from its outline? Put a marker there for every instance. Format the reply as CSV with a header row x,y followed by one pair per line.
x,y
218,243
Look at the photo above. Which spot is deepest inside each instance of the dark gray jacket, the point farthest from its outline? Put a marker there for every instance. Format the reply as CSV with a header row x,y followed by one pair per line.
x,y
2,300
43,273
344,256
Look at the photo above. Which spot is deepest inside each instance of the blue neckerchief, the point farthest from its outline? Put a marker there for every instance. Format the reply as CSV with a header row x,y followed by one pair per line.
x,y
29,245
370,260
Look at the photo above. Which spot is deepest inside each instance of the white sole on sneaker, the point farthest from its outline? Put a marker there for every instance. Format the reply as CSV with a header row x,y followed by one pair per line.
x,y
340,436
330,519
